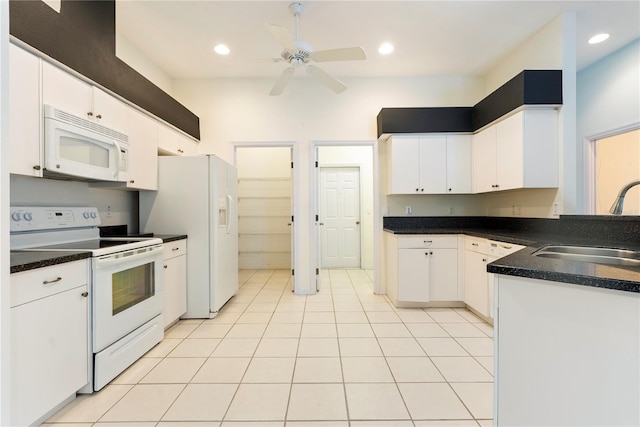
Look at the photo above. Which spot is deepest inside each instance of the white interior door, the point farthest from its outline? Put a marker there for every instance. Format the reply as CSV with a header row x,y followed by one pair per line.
x,y
340,217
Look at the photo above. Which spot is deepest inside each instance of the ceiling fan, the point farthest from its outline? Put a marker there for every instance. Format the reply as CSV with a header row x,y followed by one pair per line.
x,y
299,54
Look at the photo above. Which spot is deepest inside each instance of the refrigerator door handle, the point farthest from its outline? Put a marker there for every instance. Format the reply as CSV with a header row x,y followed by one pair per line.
x,y
229,208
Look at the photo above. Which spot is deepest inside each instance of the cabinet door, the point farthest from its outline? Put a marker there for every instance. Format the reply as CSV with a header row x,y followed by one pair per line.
x,y
475,282
404,165
433,165
187,146
175,289
459,164
413,275
484,160
109,111
443,275
143,151
49,353
24,112
509,152
65,92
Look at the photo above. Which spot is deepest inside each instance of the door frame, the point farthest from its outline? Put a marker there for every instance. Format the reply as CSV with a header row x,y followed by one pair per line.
x,y
295,179
338,166
377,212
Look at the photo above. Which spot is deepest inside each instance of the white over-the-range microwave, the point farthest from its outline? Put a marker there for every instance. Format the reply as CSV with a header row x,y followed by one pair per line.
x,y
77,148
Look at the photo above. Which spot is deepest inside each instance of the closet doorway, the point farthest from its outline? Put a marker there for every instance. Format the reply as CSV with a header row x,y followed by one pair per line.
x,y
265,207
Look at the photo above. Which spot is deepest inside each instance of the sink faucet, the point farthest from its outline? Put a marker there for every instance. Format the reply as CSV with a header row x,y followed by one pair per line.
x,y
616,208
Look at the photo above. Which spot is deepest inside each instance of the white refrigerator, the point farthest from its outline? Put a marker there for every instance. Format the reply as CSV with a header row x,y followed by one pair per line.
x,y
197,196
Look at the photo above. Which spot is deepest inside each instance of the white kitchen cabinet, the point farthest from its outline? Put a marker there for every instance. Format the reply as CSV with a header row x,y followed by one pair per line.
x,y
143,151
173,143
429,164
72,95
175,281
520,151
49,339
24,112
566,354
478,283
422,269
458,164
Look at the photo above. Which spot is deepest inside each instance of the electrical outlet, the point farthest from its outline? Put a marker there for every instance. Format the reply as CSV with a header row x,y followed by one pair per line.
x,y
556,209
513,210
108,214
450,210
408,210
519,210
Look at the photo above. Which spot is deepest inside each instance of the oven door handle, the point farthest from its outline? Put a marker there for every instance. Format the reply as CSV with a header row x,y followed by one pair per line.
x,y
108,260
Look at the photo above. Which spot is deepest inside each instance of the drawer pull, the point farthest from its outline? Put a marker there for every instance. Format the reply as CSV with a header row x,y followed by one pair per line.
x,y
48,282
175,249
474,244
428,242
85,294
165,266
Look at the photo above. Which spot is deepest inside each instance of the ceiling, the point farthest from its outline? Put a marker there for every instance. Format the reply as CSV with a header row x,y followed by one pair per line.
x,y
430,37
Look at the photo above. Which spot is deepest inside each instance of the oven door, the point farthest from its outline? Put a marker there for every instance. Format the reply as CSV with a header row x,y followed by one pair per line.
x,y
127,292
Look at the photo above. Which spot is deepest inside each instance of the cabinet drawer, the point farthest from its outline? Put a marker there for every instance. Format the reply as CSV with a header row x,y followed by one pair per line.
x,y
477,244
31,285
428,241
175,248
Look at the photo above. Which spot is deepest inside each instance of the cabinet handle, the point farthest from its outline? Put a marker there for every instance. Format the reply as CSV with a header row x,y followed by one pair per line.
x,y
484,260
85,294
48,282
449,189
430,253
180,150
426,253
175,249
322,223
474,244
428,242
165,266
90,114
99,116
357,222
422,189
37,167
132,181
417,189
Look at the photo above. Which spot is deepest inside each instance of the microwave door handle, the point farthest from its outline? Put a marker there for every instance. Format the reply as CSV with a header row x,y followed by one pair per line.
x,y
115,175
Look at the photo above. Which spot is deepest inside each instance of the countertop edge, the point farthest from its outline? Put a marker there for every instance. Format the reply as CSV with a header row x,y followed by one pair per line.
x,y
46,259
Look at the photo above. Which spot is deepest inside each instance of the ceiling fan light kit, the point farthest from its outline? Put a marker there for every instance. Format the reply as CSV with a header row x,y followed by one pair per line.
x,y
300,54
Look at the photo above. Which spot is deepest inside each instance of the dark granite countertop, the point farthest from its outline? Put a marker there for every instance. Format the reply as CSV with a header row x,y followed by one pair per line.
x,y
30,260
602,231
166,238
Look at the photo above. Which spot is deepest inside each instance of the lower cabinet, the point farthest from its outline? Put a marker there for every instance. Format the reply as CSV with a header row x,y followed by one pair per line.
x,y
422,269
49,339
175,281
478,283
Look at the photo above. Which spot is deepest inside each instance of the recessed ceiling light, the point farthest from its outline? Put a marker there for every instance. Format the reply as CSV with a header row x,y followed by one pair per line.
x,y
598,38
385,49
221,49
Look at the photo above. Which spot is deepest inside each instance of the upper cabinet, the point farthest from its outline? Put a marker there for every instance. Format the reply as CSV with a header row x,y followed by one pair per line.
x,y
429,164
143,151
72,95
24,112
173,143
518,152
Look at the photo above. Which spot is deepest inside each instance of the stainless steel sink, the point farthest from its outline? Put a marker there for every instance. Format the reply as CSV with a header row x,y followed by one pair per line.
x,y
612,256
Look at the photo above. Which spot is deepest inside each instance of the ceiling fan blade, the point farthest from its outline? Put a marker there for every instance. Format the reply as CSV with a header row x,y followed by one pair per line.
x,y
328,80
280,34
342,54
282,81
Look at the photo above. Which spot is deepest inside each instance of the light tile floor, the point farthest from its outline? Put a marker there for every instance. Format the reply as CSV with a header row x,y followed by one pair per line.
x,y
343,357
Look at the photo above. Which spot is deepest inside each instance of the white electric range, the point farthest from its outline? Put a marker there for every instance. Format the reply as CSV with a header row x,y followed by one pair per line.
x,y
126,286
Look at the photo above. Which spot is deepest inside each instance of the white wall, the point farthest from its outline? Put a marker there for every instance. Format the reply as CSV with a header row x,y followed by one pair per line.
x,y
607,93
115,207
139,62
552,47
233,110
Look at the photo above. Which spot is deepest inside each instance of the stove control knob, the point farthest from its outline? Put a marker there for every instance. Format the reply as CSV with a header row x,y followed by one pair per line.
x,y
16,216
93,215
85,215
28,216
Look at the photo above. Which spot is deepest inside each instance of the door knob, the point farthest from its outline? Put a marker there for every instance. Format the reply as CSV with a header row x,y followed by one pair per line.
x,y
357,222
